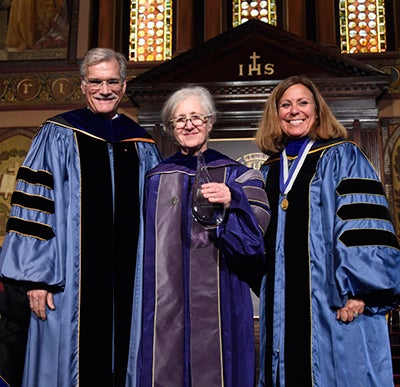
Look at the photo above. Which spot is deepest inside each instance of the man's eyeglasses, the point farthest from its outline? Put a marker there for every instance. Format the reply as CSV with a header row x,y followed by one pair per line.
x,y
195,119
97,84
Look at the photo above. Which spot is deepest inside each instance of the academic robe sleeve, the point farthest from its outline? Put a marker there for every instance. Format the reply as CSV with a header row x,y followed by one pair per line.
x,y
366,261
37,238
241,235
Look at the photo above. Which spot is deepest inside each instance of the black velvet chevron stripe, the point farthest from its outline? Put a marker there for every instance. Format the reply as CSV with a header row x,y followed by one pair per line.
x,y
36,177
32,229
363,211
363,237
32,202
360,186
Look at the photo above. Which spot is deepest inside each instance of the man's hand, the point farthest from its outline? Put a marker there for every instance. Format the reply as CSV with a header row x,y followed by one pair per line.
x,y
38,301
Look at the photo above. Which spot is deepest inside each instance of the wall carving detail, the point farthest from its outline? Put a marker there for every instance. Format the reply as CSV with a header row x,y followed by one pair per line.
x,y
34,89
54,88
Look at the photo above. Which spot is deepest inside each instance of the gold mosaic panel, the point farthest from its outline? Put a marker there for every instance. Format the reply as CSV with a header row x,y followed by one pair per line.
x,y
246,10
362,26
150,30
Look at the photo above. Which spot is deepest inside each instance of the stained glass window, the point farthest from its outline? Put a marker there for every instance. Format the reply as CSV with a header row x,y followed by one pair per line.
x,y
245,10
362,26
150,30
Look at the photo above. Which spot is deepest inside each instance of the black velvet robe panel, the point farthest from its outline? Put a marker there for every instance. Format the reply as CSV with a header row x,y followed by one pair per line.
x,y
109,240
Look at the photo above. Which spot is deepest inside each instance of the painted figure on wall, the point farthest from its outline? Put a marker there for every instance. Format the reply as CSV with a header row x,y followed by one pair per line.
x,y
34,29
37,25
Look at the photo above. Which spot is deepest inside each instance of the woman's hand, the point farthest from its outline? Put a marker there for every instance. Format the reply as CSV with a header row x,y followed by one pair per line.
x,y
217,193
351,310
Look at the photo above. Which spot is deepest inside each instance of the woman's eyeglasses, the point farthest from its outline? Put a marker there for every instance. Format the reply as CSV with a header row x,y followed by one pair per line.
x,y
195,119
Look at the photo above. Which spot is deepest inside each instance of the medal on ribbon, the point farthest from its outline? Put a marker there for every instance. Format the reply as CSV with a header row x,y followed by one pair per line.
x,y
287,177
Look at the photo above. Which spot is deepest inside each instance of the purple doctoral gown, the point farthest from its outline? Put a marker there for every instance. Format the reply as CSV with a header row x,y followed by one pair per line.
x,y
197,312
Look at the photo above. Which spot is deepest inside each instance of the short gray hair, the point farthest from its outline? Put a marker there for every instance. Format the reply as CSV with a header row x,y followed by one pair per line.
x,y
98,55
169,107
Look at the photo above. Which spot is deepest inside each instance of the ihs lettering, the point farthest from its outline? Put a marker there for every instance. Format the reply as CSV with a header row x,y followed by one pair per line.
x,y
254,68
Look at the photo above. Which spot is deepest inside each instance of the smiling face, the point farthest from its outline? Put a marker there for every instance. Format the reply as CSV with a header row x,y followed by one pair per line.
x,y
103,100
297,111
191,138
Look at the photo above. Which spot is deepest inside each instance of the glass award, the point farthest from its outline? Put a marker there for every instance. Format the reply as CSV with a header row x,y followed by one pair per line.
x,y
208,214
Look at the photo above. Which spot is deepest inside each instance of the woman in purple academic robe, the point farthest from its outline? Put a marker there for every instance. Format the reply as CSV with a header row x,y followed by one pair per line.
x,y
197,312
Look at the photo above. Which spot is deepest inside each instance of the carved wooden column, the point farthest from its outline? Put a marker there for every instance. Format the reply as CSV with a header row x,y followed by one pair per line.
x,y
212,18
106,23
295,17
325,18
166,146
396,13
184,26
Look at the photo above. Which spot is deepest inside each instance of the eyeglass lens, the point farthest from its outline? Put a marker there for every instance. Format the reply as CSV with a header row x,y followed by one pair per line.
x,y
196,120
97,84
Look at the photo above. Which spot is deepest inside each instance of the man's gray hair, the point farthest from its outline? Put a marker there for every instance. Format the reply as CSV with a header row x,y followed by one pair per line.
x,y
97,55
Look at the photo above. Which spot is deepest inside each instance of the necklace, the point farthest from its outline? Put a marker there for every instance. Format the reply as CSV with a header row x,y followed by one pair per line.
x,y
288,176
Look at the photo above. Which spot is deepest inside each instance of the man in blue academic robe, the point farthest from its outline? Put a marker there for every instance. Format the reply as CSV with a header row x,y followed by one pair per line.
x,y
74,236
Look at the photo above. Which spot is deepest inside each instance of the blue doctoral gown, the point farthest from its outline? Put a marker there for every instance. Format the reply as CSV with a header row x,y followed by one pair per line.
x,y
334,241
76,229
197,313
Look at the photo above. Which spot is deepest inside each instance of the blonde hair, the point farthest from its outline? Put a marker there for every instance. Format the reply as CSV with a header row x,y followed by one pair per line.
x,y
271,139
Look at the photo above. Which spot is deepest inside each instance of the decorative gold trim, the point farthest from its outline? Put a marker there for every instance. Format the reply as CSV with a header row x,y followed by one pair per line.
x,y
35,89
